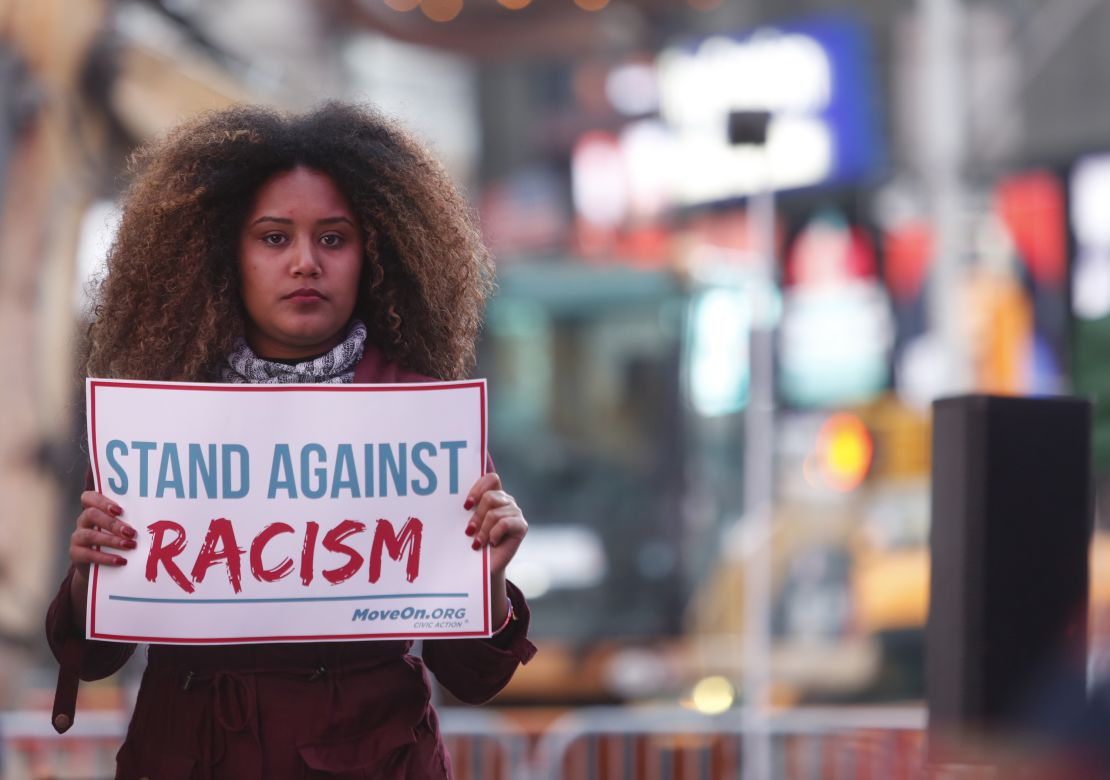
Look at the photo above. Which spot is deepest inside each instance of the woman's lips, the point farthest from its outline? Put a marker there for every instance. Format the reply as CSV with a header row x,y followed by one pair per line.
x,y
305,294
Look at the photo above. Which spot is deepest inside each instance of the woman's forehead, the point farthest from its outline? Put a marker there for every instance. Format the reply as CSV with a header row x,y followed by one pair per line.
x,y
300,190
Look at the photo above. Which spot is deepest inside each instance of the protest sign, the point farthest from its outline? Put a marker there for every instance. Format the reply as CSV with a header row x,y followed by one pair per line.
x,y
272,513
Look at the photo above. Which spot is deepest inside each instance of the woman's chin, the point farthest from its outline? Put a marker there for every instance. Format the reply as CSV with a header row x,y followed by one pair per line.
x,y
290,345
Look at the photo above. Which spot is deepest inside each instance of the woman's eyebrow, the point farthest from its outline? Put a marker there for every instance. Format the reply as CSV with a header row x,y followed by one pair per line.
x,y
282,220
286,221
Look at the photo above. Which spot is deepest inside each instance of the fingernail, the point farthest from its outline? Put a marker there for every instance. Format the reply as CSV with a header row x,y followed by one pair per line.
x,y
469,503
471,530
129,544
115,510
475,545
128,531
121,561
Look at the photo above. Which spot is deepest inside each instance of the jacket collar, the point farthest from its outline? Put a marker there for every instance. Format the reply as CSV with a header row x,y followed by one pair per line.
x,y
376,369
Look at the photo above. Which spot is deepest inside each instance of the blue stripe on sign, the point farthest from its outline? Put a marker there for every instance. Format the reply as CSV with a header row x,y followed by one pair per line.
x,y
147,600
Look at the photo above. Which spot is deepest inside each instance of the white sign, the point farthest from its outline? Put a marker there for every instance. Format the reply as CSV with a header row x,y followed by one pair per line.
x,y
289,513
787,73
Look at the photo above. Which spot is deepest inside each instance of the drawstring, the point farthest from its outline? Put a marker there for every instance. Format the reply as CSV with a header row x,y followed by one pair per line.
x,y
234,707
333,683
233,700
333,690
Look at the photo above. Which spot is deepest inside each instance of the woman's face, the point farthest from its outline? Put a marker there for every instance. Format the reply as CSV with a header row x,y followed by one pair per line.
x,y
300,258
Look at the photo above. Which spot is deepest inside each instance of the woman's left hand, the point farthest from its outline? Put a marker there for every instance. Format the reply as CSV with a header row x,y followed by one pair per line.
x,y
497,521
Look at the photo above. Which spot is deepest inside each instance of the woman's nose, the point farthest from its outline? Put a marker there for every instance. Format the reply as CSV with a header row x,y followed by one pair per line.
x,y
304,261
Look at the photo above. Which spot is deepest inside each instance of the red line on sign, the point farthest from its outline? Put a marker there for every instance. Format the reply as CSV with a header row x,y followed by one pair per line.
x,y
279,638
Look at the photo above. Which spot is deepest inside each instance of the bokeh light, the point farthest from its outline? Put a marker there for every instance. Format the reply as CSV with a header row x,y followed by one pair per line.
x,y
591,5
845,448
402,5
515,5
441,10
713,695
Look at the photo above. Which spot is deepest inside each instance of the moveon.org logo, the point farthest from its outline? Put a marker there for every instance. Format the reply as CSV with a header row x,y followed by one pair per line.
x,y
410,613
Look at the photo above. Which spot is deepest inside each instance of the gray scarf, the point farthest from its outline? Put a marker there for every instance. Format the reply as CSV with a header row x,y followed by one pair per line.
x,y
332,368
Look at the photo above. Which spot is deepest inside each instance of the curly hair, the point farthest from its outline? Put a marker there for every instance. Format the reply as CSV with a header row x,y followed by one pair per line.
x,y
169,305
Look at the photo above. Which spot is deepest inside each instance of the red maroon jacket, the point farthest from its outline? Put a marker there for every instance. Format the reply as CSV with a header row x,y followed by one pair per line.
x,y
290,710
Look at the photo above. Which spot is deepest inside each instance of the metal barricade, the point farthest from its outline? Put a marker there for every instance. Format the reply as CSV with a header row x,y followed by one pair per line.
x,y
679,744
482,745
605,743
32,750
849,743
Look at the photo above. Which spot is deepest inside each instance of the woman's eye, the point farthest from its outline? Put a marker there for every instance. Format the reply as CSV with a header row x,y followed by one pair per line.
x,y
273,239
331,239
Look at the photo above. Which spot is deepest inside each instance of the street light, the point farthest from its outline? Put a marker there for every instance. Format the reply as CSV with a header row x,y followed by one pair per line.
x,y
750,128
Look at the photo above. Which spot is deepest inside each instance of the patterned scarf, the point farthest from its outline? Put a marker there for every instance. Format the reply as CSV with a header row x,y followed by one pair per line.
x,y
333,368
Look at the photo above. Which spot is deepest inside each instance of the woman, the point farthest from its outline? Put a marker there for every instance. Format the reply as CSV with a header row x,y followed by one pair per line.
x,y
257,247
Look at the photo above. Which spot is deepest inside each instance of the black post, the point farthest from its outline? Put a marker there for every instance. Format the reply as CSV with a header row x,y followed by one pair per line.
x,y
1012,512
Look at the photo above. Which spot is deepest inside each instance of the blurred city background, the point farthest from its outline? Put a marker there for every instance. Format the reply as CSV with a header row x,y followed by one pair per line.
x,y
710,351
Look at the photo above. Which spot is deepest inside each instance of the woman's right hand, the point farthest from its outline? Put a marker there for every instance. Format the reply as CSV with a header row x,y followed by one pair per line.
x,y
99,524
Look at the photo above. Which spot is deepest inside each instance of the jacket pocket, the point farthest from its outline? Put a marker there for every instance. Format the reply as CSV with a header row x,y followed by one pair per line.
x,y
379,754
